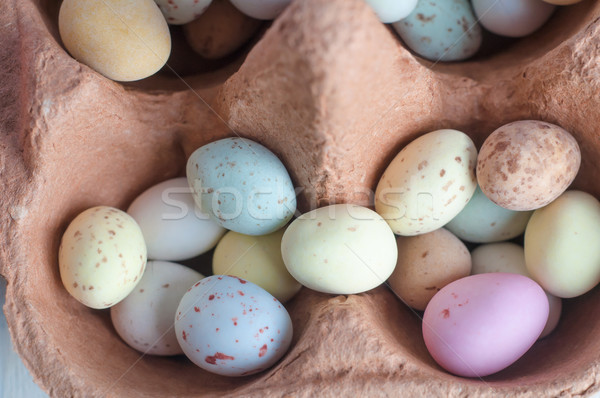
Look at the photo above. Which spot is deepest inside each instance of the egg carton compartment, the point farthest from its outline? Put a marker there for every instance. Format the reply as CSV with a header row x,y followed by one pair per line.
x,y
334,93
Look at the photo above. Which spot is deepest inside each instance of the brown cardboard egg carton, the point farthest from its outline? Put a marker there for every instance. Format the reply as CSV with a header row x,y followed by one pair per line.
x,y
333,93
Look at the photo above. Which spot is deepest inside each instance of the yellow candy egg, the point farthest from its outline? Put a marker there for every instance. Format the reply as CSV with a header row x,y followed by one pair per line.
x,y
124,40
102,256
256,259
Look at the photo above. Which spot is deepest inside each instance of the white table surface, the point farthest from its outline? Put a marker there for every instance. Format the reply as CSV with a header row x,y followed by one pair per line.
x,y
15,380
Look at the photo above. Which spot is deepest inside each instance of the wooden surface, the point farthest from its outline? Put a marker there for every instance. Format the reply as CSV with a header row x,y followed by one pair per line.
x,y
15,380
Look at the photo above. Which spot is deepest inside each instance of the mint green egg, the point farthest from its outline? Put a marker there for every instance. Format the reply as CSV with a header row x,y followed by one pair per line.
x,y
483,221
441,30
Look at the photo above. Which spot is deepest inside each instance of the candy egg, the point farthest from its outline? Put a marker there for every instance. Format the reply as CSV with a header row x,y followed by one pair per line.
x,y
392,10
144,319
242,186
509,257
483,221
232,327
527,164
220,31
481,324
512,18
124,40
560,252
499,257
428,183
102,256
261,9
256,259
441,30
427,263
179,12
339,249
174,228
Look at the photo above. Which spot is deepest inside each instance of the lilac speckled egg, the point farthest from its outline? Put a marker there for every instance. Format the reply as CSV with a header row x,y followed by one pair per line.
x,y
232,327
481,324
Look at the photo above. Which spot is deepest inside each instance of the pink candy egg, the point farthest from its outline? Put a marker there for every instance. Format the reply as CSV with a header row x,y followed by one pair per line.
x,y
232,327
481,324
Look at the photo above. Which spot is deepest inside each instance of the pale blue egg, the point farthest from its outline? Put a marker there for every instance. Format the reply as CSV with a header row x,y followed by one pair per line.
x,y
241,185
483,221
441,30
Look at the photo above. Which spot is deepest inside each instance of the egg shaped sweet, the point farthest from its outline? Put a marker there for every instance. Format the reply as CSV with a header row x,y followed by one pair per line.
x,y
102,256
561,249
242,186
232,327
339,249
124,40
481,324
483,221
174,228
144,319
428,183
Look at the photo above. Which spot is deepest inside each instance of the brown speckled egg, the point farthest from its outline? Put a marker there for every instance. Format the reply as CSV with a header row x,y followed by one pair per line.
x,y
427,263
527,164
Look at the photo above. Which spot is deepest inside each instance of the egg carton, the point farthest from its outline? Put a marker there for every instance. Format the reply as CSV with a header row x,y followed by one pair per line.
x,y
333,92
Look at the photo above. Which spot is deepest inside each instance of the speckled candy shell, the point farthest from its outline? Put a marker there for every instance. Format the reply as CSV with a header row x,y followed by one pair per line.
x,y
336,102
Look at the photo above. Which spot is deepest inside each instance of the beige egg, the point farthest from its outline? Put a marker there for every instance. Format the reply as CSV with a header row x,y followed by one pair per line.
x,y
527,164
124,40
221,30
102,256
427,263
256,259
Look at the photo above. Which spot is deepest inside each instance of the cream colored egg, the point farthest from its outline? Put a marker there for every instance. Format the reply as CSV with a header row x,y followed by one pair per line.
x,y
428,183
499,257
561,245
124,40
102,256
339,249
256,259
427,263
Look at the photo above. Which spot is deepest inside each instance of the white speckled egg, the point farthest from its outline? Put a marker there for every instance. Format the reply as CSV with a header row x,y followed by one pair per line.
x,y
441,30
232,327
174,228
390,11
102,256
483,221
509,257
256,259
428,183
339,249
179,12
512,18
561,252
144,319
242,185
124,40
261,9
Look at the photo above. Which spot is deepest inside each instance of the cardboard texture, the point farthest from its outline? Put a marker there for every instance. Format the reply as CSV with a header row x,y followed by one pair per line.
x,y
331,91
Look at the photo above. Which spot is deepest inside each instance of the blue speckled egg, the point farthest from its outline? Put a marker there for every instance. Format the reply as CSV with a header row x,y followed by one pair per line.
x,y
441,30
241,185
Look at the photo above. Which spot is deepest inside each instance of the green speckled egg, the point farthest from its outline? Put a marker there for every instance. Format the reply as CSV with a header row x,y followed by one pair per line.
x,y
441,30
